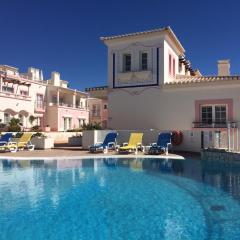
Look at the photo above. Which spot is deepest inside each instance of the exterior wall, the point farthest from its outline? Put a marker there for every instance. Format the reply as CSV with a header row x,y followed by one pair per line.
x,y
100,116
65,106
15,103
168,50
191,140
71,103
115,73
165,108
52,118
152,103
74,114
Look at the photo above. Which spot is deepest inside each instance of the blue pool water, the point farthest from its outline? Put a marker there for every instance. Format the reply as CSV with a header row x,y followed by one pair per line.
x,y
119,199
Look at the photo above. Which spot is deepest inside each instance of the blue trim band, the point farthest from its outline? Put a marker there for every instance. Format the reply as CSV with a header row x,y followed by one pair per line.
x,y
113,70
136,86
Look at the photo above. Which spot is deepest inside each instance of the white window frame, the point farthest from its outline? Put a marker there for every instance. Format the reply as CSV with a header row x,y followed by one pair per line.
x,y
8,118
81,122
40,100
124,62
21,118
140,60
214,111
24,93
7,88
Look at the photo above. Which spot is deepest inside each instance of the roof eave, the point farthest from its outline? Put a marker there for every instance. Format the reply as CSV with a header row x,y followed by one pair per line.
x,y
129,35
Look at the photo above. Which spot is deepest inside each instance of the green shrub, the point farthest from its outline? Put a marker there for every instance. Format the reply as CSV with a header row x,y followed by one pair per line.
x,y
14,125
39,134
74,130
36,128
92,126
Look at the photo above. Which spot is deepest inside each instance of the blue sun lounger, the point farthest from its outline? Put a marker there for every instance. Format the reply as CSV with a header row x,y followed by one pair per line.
x,y
108,143
5,140
162,145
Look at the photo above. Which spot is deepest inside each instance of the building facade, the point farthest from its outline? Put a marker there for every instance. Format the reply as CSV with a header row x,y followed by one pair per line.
x,y
53,105
98,105
22,96
66,108
153,86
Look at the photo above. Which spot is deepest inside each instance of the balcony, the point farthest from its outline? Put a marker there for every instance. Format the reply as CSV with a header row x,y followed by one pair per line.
x,y
137,78
214,124
15,96
67,105
95,114
39,106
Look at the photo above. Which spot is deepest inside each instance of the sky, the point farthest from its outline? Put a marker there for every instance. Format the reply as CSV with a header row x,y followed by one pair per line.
x,y
63,35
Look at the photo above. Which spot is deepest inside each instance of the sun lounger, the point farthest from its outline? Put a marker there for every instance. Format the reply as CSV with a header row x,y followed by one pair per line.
x,y
135,142
162,145
108,143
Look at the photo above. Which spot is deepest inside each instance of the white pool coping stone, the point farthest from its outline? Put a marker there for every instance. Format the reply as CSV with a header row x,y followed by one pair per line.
x,y
176,157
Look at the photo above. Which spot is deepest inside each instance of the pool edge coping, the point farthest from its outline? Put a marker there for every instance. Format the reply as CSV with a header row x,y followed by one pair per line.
x,y
176,157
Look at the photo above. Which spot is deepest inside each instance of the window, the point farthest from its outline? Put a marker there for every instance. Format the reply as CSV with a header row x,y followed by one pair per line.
x,y
39,101
220,114
38,121
54,99
67,123
8,89
81,122
179,67
105,106
214,114
207,115
170,64
96,110
127,58
6,118
20,116
144,61
173,66
24,93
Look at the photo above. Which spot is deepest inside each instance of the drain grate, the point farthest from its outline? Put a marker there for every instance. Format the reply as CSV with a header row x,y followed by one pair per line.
x,y
217,208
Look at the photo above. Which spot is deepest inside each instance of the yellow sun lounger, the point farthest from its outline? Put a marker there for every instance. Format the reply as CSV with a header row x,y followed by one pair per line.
x,y
24,142
135,141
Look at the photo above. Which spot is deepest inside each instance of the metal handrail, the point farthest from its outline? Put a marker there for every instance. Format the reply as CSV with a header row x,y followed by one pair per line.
x,y
233,124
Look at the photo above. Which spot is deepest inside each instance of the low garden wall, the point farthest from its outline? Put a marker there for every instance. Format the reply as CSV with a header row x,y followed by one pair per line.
x,y
219,155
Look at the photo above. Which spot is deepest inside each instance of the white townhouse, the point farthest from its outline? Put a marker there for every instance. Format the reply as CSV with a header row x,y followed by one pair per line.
x,y
151,85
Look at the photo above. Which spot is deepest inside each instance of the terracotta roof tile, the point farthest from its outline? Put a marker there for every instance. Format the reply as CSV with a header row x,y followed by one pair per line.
x,y
201,79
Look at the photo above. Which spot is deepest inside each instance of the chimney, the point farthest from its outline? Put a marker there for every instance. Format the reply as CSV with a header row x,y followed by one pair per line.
x,y
224,68
55,77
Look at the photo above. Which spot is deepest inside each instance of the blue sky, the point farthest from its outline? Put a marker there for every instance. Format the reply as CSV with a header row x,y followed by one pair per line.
x,y
57,35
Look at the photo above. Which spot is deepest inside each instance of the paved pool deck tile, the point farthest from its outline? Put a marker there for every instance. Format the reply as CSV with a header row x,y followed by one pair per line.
x,y
75,153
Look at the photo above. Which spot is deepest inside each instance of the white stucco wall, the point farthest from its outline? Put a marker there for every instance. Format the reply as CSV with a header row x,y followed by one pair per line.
x,y
165,108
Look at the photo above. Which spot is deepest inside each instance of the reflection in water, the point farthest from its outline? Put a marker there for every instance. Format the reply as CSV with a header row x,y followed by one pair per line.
x,y
29,177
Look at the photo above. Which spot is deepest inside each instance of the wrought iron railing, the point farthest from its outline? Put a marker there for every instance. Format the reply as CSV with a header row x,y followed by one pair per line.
x,y
231,124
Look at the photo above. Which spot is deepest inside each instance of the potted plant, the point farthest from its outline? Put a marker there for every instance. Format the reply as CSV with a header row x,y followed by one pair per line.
x,y
40,140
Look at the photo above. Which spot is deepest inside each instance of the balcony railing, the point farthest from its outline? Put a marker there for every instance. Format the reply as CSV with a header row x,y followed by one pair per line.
x,y
39,106
214,124
68,105
95,114
13,95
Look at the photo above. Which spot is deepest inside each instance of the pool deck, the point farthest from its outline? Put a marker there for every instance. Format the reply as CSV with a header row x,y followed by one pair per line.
x,y
76,153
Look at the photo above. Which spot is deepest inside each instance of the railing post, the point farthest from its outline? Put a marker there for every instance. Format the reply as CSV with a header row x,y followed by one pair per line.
x,y
229,135
237,137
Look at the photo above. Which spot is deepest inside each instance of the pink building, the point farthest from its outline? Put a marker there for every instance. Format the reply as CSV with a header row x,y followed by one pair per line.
x,y
66,108
51,102
98,105
22,96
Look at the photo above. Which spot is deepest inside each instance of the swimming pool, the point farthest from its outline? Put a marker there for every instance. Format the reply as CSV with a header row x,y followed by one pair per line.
x,y
119,199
